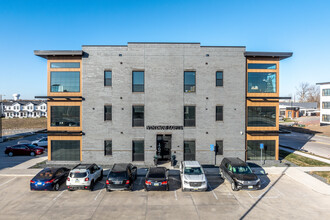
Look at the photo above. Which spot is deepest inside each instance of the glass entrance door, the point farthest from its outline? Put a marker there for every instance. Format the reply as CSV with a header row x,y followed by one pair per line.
x,y
164,147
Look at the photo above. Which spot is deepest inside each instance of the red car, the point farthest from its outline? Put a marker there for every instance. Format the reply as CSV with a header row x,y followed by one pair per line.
x,y
24,149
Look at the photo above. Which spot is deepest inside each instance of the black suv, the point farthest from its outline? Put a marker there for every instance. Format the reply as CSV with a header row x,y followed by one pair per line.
x,y
121,177
239,174
156,179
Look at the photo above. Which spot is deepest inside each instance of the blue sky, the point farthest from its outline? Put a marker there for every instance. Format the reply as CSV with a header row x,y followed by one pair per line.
x,y
301,27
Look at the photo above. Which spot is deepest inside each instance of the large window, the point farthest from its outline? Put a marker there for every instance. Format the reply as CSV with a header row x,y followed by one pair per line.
x,y
219,147
262,116
261,82
138,116
65,81
189,149
254,152
326,105
189,81
326,92
107,147
65,116
219,78
138,81
64,65
189,116
107,113
325,118
107,78
138,150
267,66
65,150
219,113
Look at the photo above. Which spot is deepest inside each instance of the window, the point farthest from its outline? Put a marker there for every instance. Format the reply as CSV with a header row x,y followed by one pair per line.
x,y
138,116
219,113
65,116
262,116
219,78
65,81
65,65
138,81
326,92
261,82
107,78
219,147
138,150
189,116
326,105
65,150
189,149
107,113
189,81
267,66
254,152
326,118
108,147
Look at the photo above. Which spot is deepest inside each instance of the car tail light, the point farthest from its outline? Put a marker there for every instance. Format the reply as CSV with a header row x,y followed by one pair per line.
x,y
50,181
32,181
68,179
127,181
85,187
107,182
148,182
86,179
164,183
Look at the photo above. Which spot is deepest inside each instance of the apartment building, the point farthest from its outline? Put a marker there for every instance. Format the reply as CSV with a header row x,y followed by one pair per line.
x,y
324,103
130,103
24,109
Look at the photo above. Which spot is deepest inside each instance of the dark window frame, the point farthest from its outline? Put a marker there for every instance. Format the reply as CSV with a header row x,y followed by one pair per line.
x,y
217,151
106,153
138,122
220,114
133,152
52,120
326,105
133,87
325,118
189,122
260,66
268,153
191,154
109,114
192,85
105,79
254,80
66,154
51,63
325,92
63,72
220,80
257,123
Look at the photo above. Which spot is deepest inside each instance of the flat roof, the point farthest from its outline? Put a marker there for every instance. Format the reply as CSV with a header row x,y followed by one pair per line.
x,y
47,53
323,83
280,55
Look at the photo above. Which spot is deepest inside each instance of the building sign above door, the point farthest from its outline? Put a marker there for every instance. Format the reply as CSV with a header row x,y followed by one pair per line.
x,y
166,127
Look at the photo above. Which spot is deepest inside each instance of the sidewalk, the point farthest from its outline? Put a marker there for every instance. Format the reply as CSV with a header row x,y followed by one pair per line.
x,y
22,169
306,155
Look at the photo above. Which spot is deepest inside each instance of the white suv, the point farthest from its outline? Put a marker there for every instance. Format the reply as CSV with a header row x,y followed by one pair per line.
x,y
192,176
42,142
84,176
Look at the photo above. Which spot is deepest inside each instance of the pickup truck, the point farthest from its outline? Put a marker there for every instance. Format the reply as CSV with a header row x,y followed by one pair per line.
x,y
192,176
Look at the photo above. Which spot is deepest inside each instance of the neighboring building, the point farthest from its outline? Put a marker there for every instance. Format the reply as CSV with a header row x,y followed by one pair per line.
x,y
298,109
324,103
111,104
24,109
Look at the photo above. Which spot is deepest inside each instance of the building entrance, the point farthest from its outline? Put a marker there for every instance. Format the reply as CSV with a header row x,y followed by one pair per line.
x,y
164,147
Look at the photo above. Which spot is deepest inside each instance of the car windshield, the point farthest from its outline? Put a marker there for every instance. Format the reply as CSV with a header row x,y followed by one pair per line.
x,y
44,175
31,146
242,170
117,175
193,171
78,174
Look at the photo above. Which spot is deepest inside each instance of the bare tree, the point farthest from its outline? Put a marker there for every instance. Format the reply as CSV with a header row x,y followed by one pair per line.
x,y
313,94
302,91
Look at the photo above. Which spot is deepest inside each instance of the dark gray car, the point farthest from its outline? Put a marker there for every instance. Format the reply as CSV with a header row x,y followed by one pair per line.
x,y
121,177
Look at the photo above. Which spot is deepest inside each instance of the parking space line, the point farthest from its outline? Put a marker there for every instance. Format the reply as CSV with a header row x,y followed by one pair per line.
x,y
8,181
176,197
98,195
212,191
58,195
140,181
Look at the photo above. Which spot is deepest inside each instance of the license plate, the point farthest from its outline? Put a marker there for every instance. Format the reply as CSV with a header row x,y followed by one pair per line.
x,y
77,181
195,189
250,187
156,184
117,182
39,183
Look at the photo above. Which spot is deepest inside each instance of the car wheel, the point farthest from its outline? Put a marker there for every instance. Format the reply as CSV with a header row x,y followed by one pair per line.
x,y
10,154
145,189
108,190
233,186
91,187
57,187
221,174
32,154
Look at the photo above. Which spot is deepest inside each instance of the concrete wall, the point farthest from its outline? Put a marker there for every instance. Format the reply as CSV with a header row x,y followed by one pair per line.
x,y
163,99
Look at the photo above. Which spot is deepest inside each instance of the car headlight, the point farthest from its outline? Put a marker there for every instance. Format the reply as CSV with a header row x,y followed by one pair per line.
x,y
185,182
239,181
203,182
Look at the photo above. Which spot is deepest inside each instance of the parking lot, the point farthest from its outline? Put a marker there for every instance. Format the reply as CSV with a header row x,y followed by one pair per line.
x,y
280,198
